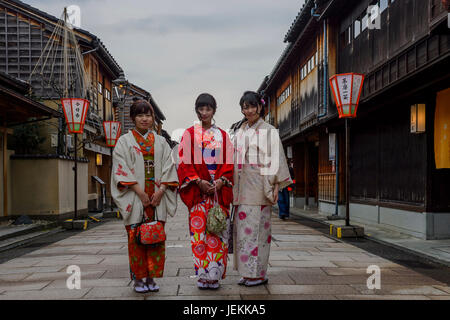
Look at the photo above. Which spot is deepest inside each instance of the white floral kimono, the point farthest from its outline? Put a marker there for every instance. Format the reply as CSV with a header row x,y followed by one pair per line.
x,y
128,166
260,163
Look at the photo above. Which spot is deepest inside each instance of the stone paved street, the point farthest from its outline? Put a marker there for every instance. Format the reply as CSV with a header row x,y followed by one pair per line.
x,y
304,264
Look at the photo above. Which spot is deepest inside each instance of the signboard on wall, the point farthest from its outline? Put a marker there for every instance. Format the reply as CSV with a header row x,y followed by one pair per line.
x,y
442,130
289,152
332,146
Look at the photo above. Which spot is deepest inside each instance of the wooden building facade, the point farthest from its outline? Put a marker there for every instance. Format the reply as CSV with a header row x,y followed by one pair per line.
x,y
24,33
399,175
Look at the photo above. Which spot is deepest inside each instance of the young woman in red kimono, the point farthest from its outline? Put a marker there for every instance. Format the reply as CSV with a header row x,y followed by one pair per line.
x,y
206,165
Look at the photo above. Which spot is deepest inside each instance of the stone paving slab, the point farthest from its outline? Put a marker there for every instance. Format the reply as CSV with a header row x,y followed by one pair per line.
x,y
51,276
68,262
4,271
439,297
92,283
319,258
23,286
382,297
304,264
203,297
358,264
354,271
311,289
14,277
443,288
49,294
225,290
288,297
119,292
301,238
401,289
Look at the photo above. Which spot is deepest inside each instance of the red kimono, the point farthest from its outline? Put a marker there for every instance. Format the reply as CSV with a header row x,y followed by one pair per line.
x,y
205,154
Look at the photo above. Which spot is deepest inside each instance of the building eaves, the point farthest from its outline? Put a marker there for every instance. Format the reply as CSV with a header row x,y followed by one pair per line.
x,y
14,83
300,28
263,85
151,100
95,41
279,64
300,21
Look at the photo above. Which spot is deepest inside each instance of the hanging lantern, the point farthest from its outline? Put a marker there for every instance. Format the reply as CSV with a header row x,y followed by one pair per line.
x,y
347,88
112,132
75,111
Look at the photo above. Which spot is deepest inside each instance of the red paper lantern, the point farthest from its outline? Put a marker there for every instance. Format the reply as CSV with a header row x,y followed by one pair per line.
x,y
112,132
347,88
75,111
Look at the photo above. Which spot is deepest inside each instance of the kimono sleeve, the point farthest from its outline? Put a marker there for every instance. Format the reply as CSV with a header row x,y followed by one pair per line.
x,y
189,191
227,169
169,175
122,174
279,170
186,169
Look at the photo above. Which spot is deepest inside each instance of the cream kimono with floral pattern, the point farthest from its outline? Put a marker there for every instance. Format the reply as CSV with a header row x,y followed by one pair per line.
x,y
260,163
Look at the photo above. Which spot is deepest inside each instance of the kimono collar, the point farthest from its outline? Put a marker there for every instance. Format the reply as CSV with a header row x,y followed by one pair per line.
x,y
254,126
143,135
213,127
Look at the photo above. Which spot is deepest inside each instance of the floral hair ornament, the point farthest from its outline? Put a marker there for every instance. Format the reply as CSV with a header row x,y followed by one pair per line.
x,y
262,101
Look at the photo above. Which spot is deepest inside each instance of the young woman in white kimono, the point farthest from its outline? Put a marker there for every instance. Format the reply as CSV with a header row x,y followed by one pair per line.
x,y
260,172
143,181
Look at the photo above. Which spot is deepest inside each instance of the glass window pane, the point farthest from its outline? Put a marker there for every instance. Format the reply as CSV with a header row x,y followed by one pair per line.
x,y
365,21
357,28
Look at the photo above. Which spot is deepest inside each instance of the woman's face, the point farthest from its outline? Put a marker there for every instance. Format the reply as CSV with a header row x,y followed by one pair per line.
x,y
205,114
143,121
251,112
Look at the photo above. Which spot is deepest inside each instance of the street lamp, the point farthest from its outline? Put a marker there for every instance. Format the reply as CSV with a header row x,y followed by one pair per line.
x,y
121,88
75,111
112,130
347,88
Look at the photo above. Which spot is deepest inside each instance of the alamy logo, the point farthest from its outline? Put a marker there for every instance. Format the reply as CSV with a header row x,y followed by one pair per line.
x,y
74,281
74,16
374,17
374,281
260,148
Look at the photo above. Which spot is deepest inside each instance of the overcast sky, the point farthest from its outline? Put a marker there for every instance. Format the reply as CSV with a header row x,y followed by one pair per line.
x,y
177,49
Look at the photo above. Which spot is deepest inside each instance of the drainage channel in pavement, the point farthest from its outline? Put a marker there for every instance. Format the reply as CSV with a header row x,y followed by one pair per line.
x,y
44,241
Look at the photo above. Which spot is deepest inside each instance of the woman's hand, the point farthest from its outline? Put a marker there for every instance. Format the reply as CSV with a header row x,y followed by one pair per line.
x,y
141,194
275,193
205,186
218,185
156,197
144,198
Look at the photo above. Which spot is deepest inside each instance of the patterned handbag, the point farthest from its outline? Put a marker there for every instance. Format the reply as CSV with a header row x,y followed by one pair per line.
x,y
217,218
151,232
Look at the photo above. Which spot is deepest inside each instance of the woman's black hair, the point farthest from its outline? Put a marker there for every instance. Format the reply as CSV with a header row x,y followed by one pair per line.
x,y
205,99
139,107
254,99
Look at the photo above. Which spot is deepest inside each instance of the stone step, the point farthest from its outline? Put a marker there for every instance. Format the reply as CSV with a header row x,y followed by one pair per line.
x,y
23,239
11,231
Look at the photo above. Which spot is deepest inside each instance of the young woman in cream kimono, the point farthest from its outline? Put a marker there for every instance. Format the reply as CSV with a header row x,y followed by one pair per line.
x,y
143,180
260,172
